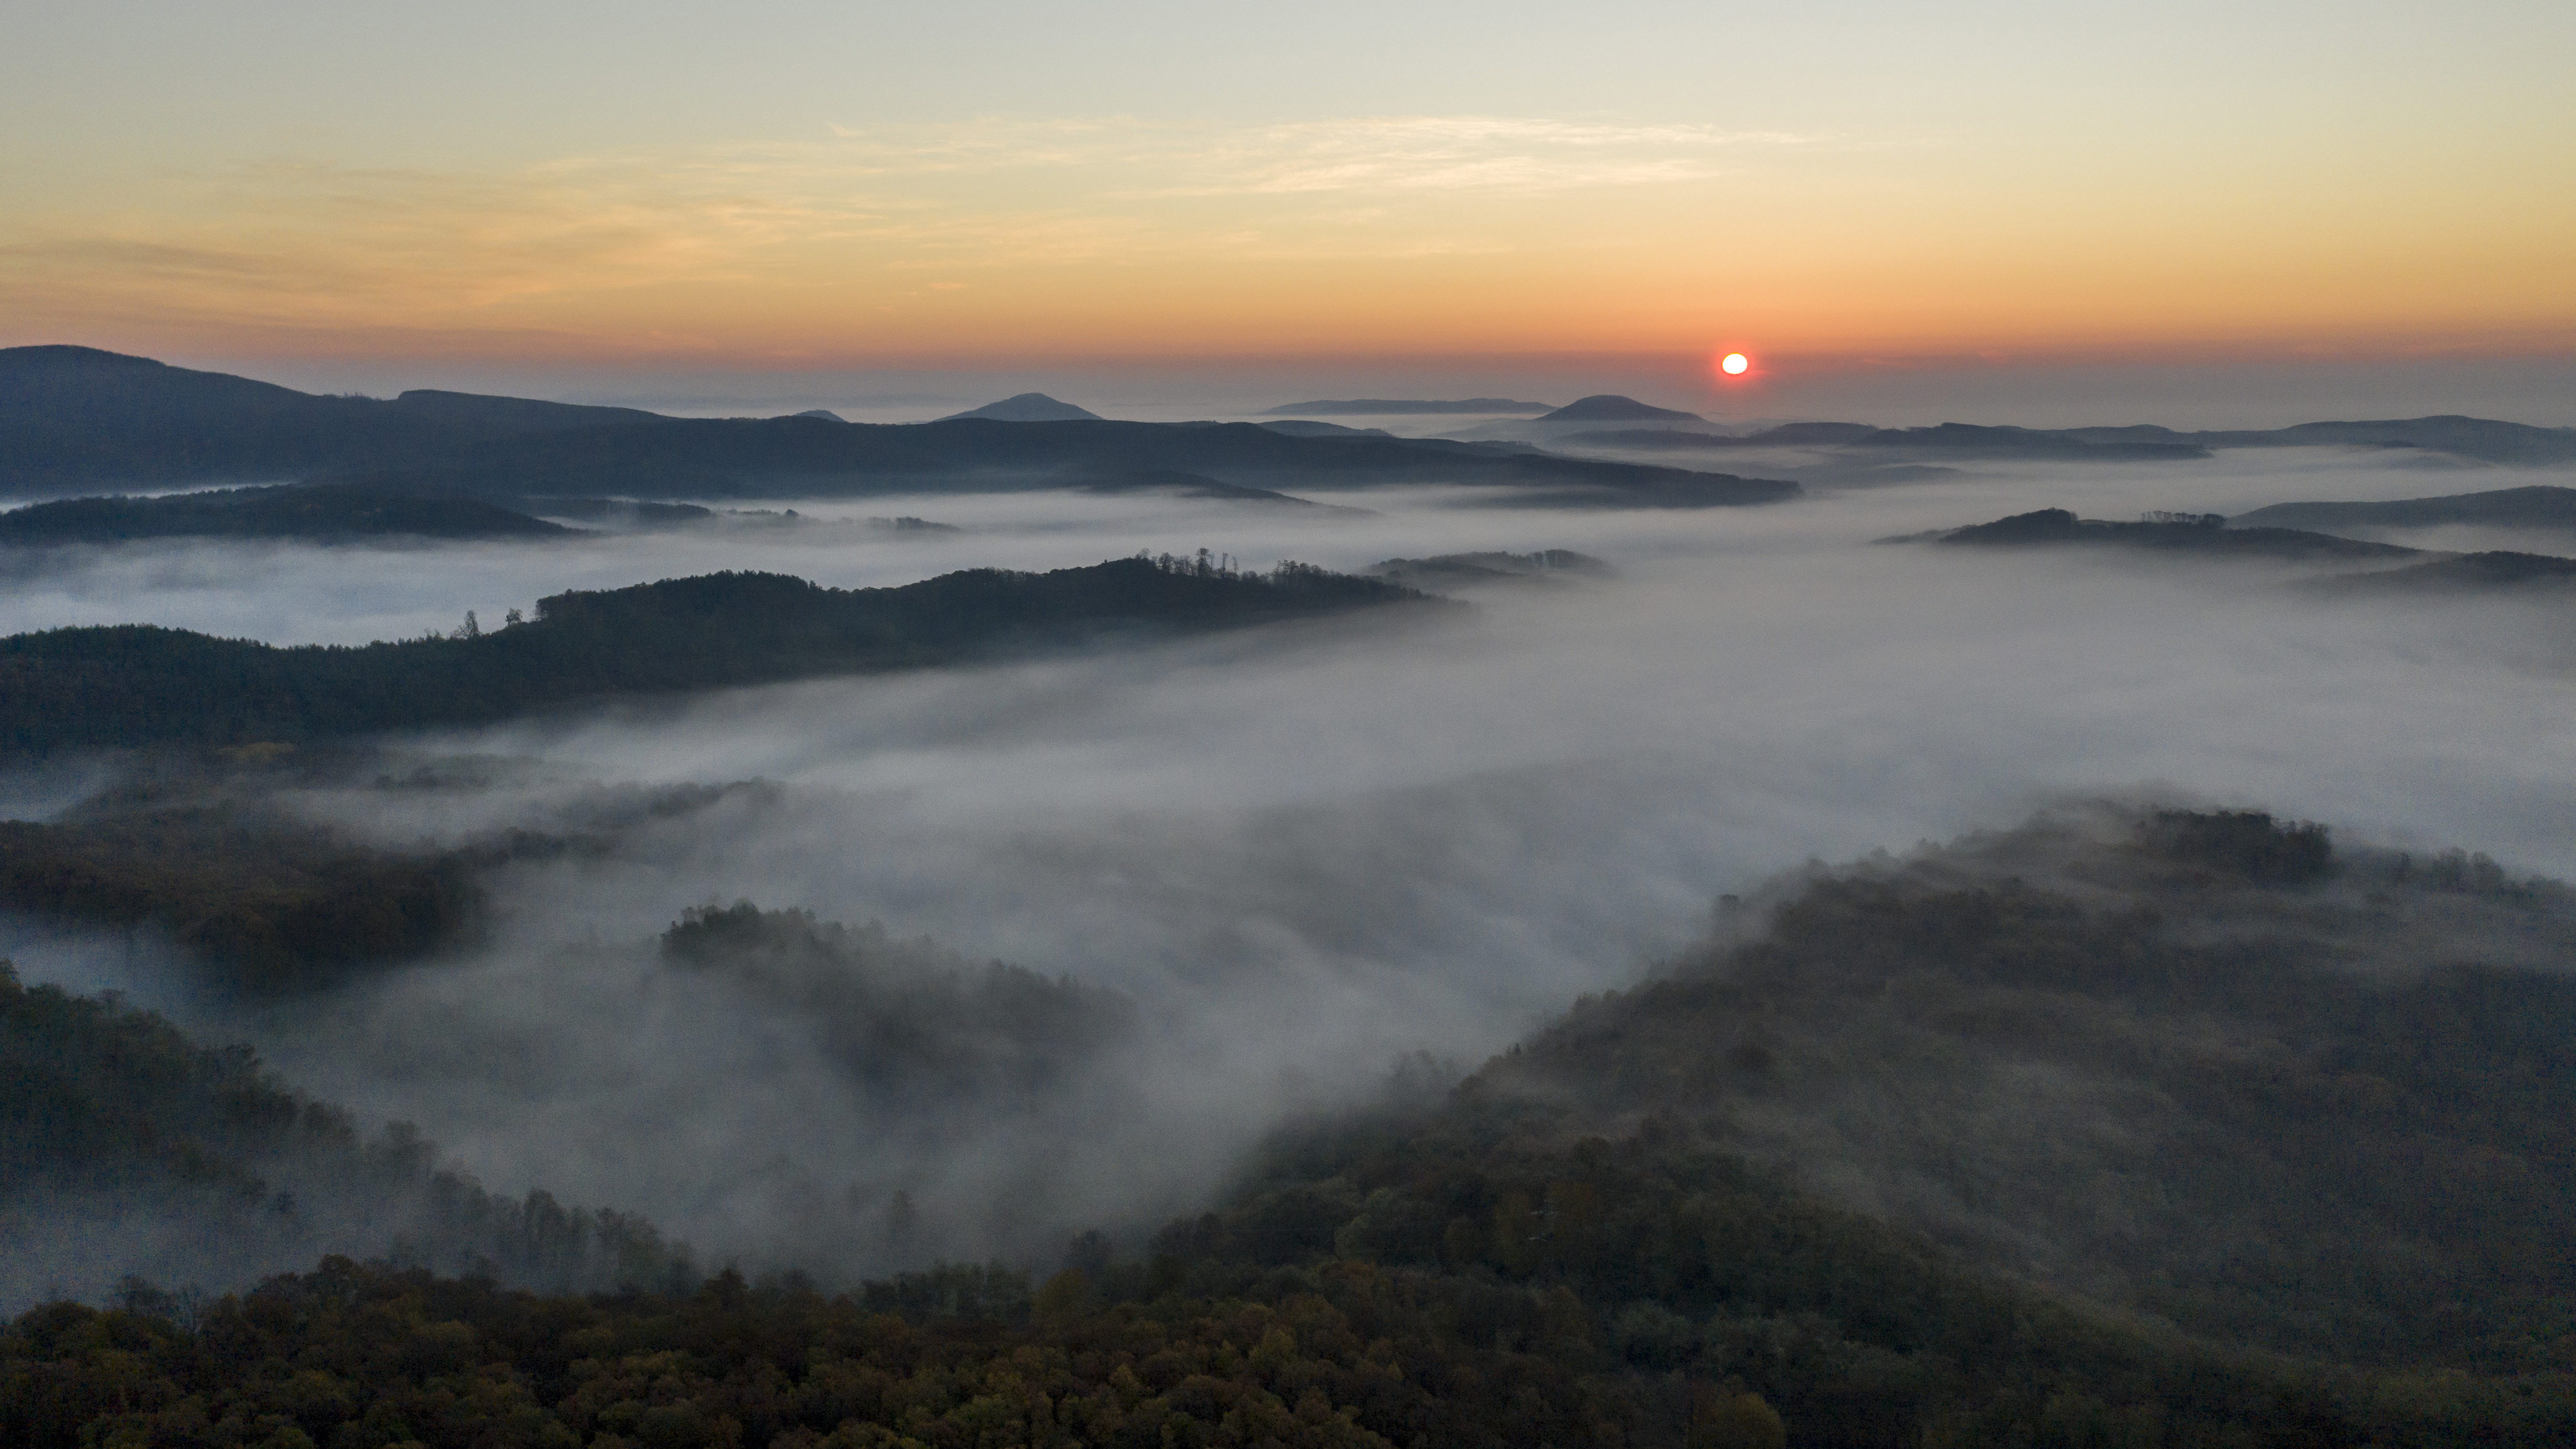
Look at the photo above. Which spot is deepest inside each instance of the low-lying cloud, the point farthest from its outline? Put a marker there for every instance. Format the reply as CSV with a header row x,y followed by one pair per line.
x,y
1303,852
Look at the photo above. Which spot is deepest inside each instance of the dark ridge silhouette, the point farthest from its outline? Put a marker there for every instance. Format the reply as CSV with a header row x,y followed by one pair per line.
x,y
2466,572
1307,428
71,419
73,416
1178,484
821,414
1948,439
318,512
1027,407
2539,506
2188,533
2484,439
1398,406
1610,407
1472,570
127,685
620,512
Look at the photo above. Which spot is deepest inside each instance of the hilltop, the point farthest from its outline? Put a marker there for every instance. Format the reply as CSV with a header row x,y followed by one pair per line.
x,y
1611,407
1026,407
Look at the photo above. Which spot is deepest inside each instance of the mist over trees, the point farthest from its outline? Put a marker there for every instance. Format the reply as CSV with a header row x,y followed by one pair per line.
x,y
2146,1126
128,685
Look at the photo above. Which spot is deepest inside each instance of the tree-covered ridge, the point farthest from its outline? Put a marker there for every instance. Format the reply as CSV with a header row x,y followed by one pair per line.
x,y
320,512
916,1025
2206,533
2195,1066
128,1149
127,685
199,849
1598,1239
275,902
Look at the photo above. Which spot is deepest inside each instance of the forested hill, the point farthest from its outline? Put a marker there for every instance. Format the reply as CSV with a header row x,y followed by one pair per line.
x,y
323,512
2205,533
2268,1140
126,685
128,1149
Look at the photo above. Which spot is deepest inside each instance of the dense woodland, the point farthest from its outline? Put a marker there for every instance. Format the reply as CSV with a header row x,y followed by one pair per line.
x,y
2203,533
127,1148
126,685
196,849
2264,1142
318,512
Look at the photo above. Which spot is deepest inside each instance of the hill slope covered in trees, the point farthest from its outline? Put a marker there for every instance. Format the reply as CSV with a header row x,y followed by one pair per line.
x,y
128,685
2127,1127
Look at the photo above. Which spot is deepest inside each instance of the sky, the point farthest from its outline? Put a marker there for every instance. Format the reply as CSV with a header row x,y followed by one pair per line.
x,y
1879,202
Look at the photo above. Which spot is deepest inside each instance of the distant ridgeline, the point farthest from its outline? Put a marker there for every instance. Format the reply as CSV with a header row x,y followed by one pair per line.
x,y
133,684
2215,535
73,419
2483,439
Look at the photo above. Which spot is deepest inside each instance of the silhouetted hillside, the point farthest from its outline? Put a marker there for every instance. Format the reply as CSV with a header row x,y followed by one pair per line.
x,y
72,418
2542,506
76,416
1397,406
318,512
1474,570
1961,440
1027,407
2197,534
2485,439
2465,572
94,688
1611,407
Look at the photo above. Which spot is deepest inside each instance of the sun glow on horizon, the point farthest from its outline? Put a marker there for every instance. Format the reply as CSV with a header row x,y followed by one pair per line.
x,y
1735,364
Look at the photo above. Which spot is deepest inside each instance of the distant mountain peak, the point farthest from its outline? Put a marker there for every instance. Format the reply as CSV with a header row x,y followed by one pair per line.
x,y
822,415
1611,407
1028,407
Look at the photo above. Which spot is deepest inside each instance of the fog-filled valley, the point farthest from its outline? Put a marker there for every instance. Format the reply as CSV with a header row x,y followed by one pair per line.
x,y
1059,932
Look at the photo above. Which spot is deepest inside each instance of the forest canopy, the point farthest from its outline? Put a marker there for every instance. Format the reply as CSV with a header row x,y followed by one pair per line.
x,y
126,685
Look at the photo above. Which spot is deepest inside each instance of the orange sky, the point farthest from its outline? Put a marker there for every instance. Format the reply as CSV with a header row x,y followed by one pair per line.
x,y
2396,184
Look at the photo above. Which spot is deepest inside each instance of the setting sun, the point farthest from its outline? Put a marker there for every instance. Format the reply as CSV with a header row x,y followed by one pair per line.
x,y
1734,364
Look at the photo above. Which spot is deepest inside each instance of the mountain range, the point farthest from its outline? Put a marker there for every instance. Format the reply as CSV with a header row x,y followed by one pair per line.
x,y
76,420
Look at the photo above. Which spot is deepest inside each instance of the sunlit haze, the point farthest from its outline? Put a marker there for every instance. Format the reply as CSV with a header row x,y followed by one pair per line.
x,y
1205,205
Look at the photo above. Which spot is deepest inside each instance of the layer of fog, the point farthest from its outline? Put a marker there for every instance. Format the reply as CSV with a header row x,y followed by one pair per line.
x,y
1305,851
